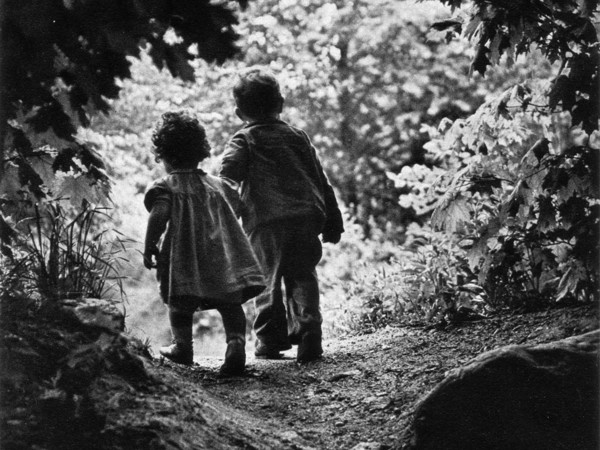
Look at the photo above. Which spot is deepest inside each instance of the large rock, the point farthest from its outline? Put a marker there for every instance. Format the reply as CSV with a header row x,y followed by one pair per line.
x,y
96,313
542,397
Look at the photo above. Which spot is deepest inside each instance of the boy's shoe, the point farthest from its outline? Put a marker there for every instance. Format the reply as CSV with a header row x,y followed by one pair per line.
x,y
294,339
178,354
235,359
310,348
264,351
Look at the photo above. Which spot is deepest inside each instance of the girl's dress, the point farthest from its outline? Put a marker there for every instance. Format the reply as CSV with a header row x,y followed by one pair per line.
x,y
205,256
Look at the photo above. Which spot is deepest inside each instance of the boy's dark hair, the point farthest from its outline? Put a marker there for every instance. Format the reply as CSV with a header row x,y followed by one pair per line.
x,y
257,93
180,138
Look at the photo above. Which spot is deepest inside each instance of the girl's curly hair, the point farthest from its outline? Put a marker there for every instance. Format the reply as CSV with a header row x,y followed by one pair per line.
x,y
180,139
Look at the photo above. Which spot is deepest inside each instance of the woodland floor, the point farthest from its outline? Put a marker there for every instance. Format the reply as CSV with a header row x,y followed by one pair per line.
x,y
360,395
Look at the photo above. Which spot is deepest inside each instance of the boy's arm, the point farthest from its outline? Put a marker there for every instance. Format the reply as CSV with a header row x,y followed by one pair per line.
x,y
234,164
157,223
334,224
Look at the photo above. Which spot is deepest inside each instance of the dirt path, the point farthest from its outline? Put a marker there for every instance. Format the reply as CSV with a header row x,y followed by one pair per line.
x,y
360,395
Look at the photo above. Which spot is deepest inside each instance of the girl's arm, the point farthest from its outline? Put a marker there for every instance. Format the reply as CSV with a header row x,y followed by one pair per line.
x,y
157,223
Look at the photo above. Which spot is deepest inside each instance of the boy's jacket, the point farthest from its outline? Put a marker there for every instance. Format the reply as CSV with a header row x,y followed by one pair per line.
x,y
280,176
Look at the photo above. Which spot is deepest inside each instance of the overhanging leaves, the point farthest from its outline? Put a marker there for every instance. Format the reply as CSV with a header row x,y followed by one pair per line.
x,y
451,214
62,60
562,30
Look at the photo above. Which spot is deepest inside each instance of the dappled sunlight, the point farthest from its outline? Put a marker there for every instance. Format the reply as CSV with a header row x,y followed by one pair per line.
x,y
458,143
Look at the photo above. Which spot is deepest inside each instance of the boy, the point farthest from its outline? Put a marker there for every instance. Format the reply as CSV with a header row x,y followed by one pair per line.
x,y
288,203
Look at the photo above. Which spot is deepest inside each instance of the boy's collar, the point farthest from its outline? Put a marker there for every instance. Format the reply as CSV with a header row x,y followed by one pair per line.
x,y
198,169
264,121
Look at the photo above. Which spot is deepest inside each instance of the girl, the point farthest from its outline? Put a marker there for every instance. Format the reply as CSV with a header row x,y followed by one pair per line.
x,y
205,260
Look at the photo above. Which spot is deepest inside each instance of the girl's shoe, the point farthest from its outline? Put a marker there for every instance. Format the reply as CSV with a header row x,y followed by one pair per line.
x,y
178,353
235,358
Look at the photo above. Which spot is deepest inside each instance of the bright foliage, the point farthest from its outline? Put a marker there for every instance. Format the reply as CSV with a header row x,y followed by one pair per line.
x,y
365,80
520,191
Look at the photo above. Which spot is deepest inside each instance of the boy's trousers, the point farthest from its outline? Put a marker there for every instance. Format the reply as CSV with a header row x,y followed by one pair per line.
x,y
288,250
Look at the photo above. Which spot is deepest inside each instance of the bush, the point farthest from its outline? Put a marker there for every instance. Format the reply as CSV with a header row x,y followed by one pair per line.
x,y
369,284
57,253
